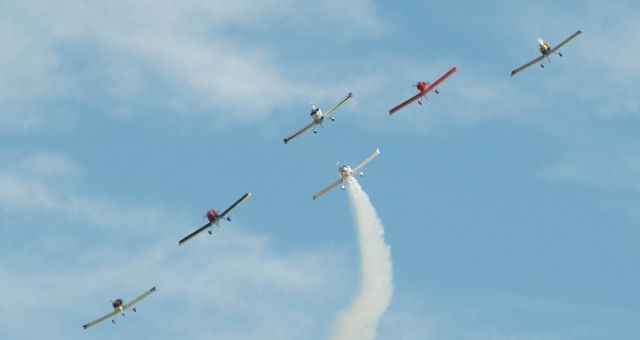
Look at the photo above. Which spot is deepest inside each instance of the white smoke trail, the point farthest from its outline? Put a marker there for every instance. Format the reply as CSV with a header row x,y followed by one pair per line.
x,y
360,321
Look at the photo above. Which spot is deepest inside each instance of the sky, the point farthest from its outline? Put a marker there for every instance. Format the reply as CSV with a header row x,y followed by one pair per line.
x,y
509,203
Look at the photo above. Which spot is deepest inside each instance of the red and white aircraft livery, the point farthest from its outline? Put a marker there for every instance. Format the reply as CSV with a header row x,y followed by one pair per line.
x,y
214,218
345,172
424,88
318,118
118,308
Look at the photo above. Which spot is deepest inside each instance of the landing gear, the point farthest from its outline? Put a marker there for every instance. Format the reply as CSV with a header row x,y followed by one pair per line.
x,y
210,232
229,219
542,65
134,310
315,131
421,100
342,187
113,322
333,119
361,174
560,54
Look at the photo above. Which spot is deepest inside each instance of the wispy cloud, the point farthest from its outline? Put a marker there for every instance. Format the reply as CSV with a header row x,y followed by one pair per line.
x,y
209,58
206,286
236,276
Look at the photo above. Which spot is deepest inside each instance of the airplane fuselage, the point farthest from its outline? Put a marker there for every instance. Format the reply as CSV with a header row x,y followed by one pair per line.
x,y
317,116
345,171
212,216
544,47
422,86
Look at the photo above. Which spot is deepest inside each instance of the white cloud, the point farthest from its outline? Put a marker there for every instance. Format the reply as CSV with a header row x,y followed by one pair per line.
x,y
64,277
599,68
609,169
198,57
201,287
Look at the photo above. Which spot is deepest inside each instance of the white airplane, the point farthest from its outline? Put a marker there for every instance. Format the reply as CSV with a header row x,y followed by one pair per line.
x,y
118,308
546,51
345,172
318,118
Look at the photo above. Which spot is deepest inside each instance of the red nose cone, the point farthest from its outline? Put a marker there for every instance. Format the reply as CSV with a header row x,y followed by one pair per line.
x,y
422,86
211,215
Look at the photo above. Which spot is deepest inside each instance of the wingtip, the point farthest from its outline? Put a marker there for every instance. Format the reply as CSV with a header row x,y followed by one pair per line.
x,y
84,327
285,141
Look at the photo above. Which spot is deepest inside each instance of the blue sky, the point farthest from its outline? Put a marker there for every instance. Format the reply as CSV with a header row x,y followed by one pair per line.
x,y
509,203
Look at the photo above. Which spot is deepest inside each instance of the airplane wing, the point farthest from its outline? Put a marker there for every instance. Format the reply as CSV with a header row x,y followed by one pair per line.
x,y
406,102
102,318
193,234
335,107
431,87
286,140
566,41
139,298
443,78
534,61
235,205
369,159
223,215
327,189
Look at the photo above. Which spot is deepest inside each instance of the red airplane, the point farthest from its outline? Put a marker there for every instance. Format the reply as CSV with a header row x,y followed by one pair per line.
x,y
424,88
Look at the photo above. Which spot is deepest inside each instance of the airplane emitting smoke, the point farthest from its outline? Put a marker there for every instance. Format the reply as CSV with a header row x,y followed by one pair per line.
x,y
360,321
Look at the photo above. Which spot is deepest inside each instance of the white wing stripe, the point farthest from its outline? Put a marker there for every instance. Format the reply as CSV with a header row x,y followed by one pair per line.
x,y
369,159
327,189
288,139
340,103
139,298
97,321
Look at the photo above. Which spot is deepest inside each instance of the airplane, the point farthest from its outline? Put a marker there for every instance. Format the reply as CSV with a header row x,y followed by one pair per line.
x,y
424,88
214,218
345,172
318,118
546,51
118,308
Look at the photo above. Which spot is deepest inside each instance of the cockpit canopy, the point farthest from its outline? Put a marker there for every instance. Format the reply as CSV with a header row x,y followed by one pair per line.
x,y
117,303
212,214
344,169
